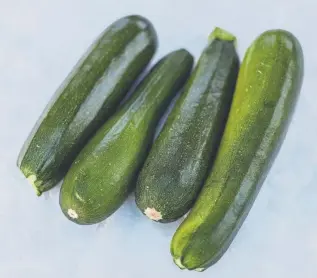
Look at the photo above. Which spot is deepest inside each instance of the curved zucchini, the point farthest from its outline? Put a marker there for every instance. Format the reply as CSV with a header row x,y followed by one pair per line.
x,y
177,165
86,99
266,94
103,174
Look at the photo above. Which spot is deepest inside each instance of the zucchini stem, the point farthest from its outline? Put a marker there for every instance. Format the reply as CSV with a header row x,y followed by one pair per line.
x,y
221,34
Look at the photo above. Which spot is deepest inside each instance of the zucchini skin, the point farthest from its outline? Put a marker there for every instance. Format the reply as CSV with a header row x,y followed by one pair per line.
x,y
267,90
176,167
104,173
86,99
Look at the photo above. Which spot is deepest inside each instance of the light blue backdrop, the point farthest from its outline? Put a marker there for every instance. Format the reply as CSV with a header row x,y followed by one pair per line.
x,y
40,42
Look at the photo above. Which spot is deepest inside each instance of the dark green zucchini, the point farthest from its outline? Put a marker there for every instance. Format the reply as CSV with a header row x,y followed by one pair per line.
x,y
104,173
267,89
177,165
86,99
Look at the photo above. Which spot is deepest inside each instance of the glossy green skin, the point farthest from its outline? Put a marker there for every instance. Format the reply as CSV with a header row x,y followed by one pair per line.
x,y
267,90
177,165
86,99
104,173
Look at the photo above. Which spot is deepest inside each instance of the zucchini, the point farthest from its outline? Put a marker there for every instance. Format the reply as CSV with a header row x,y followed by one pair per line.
x,y
266,94
179,159
104,173
86,99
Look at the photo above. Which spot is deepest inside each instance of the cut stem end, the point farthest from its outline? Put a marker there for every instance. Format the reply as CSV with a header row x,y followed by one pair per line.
x,y
221,34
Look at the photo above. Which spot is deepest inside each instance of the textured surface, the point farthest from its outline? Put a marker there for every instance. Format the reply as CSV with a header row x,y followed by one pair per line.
x,y
266,94
41,41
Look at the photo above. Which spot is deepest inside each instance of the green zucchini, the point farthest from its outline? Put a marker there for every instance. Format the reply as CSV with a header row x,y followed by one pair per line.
x,y
86,99
266,94
104,173
177,165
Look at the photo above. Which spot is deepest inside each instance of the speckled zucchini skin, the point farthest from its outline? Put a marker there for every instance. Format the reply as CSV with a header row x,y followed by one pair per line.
x,y
104,173
86,99
267,90
177,165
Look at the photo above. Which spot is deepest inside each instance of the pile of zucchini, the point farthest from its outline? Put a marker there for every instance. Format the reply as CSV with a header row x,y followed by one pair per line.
x,y
211,156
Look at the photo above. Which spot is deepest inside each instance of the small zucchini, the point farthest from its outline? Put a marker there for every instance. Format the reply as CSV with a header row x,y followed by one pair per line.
x,y
177,165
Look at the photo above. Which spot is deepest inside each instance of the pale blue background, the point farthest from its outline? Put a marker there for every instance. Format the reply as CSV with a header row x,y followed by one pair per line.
x,y
40,42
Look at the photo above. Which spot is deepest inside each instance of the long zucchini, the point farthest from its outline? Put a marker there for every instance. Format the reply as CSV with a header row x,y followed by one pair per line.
x,y
266,94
